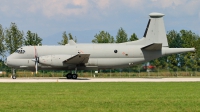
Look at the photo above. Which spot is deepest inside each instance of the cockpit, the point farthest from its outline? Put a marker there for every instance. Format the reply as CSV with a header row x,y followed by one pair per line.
x,y
20,51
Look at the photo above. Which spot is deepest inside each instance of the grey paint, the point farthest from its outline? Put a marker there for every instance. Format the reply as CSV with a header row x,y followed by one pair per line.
x,y
98,56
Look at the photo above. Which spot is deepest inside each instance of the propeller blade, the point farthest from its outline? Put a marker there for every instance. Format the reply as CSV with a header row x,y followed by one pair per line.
x,y
36,60
36,67
36,55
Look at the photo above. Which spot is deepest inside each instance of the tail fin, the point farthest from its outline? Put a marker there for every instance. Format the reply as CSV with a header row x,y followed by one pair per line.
x,y
155,31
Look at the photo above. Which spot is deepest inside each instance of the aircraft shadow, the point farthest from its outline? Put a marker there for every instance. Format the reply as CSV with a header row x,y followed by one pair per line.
x,y
75,79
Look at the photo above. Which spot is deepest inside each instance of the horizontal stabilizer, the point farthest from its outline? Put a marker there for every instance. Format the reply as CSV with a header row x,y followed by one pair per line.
x,y
153,47
78,59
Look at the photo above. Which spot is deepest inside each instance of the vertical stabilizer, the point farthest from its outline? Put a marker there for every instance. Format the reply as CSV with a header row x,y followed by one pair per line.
x,y
155,31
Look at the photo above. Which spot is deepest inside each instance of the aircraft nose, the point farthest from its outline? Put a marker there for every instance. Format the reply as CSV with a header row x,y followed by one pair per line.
x,y
5,62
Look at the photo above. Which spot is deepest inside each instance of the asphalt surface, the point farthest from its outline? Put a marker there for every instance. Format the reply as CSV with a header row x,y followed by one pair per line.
x,y
4,80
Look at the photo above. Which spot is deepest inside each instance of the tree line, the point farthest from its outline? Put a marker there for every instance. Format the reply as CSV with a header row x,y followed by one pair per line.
x,y
12,38
102,37
186,61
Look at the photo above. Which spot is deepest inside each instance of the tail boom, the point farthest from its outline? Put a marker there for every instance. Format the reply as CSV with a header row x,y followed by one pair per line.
x,y
168,51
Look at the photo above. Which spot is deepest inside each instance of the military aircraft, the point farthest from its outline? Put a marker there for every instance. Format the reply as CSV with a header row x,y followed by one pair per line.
x,y
73,56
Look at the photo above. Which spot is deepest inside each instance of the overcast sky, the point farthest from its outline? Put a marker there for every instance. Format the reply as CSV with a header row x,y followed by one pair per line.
x,y
85,18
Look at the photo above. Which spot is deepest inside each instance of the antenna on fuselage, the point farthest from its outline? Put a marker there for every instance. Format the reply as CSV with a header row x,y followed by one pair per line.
x,y
71,42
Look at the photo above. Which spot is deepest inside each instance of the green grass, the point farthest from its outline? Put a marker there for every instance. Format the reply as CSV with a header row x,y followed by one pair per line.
x,y
100,97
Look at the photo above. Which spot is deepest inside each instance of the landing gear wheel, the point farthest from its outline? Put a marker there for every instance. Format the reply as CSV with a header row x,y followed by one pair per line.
x,y
13,77
69,76
74,76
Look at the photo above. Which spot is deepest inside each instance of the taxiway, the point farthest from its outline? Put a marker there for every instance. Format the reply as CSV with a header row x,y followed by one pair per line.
x,y
26,80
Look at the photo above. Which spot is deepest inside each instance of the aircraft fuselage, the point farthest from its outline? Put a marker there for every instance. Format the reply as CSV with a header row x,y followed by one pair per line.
x,y
101,56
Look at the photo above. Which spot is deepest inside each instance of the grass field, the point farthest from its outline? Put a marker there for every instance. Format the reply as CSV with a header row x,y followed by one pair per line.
x,y
99,97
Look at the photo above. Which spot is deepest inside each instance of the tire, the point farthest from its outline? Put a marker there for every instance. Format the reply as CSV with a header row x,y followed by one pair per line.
x,y
69,76
74,76
13,77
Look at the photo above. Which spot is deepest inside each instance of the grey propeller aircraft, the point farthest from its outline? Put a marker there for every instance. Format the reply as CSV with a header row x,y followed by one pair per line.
x,y
73,56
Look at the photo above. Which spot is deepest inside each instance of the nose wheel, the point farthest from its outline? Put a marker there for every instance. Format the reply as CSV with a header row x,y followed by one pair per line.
x,y
13,77
71,76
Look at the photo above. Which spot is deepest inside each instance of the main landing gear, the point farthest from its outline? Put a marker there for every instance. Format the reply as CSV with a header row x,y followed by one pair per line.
x,y
71,76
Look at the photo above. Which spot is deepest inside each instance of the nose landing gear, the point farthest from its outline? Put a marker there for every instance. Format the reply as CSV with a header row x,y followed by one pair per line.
x,y
13,77
13,74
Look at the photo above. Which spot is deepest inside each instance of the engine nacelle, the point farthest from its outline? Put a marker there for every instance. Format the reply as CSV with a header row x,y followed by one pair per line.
x,y
53,60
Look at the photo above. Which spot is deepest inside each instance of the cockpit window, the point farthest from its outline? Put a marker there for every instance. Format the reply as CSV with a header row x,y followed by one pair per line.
x,y
20,51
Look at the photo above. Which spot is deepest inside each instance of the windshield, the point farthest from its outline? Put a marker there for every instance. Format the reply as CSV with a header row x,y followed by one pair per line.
x,y
20,51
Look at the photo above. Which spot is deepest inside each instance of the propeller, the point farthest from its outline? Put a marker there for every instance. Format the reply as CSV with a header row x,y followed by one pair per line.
x,y
36,60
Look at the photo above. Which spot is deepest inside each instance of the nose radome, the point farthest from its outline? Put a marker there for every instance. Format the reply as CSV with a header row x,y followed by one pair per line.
x,y
5,61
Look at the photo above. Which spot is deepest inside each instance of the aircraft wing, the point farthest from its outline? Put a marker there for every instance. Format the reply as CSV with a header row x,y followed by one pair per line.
x,y
78,59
